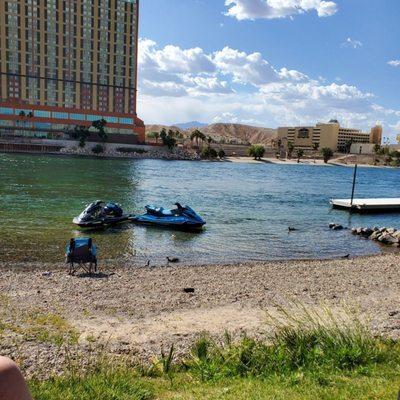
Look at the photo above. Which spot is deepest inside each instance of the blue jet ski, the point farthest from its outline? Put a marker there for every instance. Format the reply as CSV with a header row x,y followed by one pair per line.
x,y
100,214
184,218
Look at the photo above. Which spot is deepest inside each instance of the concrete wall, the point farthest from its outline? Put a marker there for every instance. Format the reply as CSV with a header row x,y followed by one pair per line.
x,y
75,143
362,148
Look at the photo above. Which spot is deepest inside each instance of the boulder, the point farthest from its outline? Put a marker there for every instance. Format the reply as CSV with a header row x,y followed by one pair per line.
x,y
375,236
390,230
338,227
386,238
367,231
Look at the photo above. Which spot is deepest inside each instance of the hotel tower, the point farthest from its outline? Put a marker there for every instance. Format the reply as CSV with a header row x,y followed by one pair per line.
x,y
69,62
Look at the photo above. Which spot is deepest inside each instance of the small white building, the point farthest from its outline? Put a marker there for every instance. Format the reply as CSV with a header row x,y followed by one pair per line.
x,y
362,148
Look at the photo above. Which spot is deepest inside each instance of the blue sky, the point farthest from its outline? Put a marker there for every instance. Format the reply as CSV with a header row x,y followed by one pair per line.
x,y
270,62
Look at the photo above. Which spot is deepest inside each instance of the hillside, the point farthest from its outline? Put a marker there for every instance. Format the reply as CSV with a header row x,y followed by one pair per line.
x,y
227,133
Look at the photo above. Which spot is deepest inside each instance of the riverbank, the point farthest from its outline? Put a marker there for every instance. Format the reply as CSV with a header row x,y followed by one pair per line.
x,y
139,310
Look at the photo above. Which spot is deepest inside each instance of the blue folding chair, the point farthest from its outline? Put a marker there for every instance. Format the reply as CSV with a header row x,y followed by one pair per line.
x,y
81,253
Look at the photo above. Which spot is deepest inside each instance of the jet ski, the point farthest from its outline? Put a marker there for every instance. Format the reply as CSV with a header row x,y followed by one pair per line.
x,y
100,214
184,218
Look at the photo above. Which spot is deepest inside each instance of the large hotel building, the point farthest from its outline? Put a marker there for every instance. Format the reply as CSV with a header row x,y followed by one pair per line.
x,y
69,62
329,134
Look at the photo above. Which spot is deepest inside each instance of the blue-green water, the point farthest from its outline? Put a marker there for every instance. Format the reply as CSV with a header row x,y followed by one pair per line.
x,y
248,208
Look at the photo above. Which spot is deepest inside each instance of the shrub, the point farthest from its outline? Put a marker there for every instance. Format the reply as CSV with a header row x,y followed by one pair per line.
x,y
327,153
257,151
131,150
208,152
98,149
221,153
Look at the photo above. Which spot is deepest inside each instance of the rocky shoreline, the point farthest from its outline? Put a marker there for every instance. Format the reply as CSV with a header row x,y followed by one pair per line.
x,y
177,154
51,318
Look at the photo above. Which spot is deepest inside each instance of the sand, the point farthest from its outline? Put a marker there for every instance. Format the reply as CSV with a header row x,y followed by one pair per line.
x,y
140,310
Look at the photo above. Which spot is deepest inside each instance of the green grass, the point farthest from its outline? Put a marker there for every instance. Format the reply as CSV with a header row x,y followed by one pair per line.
x,y
310,355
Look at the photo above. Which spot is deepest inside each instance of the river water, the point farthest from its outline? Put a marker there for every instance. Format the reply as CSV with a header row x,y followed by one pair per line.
x,y
248,208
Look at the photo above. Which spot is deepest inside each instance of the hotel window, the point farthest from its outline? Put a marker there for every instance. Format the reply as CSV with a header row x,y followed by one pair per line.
x,y
42,114
111,120
5,110
60,115
93,117
303,133
80,117
127,121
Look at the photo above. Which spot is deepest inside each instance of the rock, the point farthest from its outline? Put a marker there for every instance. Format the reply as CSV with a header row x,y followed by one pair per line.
x,y
390,230
393,313
354,231
388,239
375,236
336,227
367,231
188,290
331,225
46,274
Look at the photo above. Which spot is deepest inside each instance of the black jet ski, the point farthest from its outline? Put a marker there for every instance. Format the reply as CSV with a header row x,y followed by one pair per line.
x,y
101,214
184,218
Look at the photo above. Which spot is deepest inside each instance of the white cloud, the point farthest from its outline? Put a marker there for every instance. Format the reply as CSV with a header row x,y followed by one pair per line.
x,y
349,42
270,9
394,63
234,86
245,68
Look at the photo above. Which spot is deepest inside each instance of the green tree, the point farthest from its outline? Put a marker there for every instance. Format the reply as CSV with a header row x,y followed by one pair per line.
x,y
347,145
197,135
257,151
154,135
315,148
377,149
167,139
100,126
208,152
290,148
81,133
327,153
221,153
300,153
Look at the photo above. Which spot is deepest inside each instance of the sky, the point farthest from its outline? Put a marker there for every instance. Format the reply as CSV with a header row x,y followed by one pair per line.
x,y
270,62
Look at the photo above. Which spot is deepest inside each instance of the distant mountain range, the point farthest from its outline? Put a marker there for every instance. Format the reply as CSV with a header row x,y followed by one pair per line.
x,y
224,133
190,125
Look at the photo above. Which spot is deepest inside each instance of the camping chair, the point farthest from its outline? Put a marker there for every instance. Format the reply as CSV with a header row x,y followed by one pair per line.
x,y
81,253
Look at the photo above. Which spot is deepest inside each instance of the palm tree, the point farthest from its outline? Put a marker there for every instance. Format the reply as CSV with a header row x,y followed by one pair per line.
x,y
315,148
209,140
197,135
300,153
327,153
100,126
290,148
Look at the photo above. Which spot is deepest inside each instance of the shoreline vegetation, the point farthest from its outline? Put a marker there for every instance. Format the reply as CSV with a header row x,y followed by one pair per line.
x,y
290,329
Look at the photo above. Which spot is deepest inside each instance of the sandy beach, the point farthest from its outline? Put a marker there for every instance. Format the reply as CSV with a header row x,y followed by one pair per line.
x,y
139,310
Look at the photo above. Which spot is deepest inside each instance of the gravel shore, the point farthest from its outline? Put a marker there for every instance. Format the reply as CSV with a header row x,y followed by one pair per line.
x,y
137,311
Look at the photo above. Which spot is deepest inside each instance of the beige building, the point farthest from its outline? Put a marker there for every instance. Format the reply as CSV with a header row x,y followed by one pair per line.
x,y
329,134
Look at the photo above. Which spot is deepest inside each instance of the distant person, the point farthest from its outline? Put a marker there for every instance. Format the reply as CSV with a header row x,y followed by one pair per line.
x,y
12,383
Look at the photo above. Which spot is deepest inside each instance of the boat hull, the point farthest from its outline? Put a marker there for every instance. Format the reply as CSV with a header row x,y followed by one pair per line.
x,y
102,222
180,223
